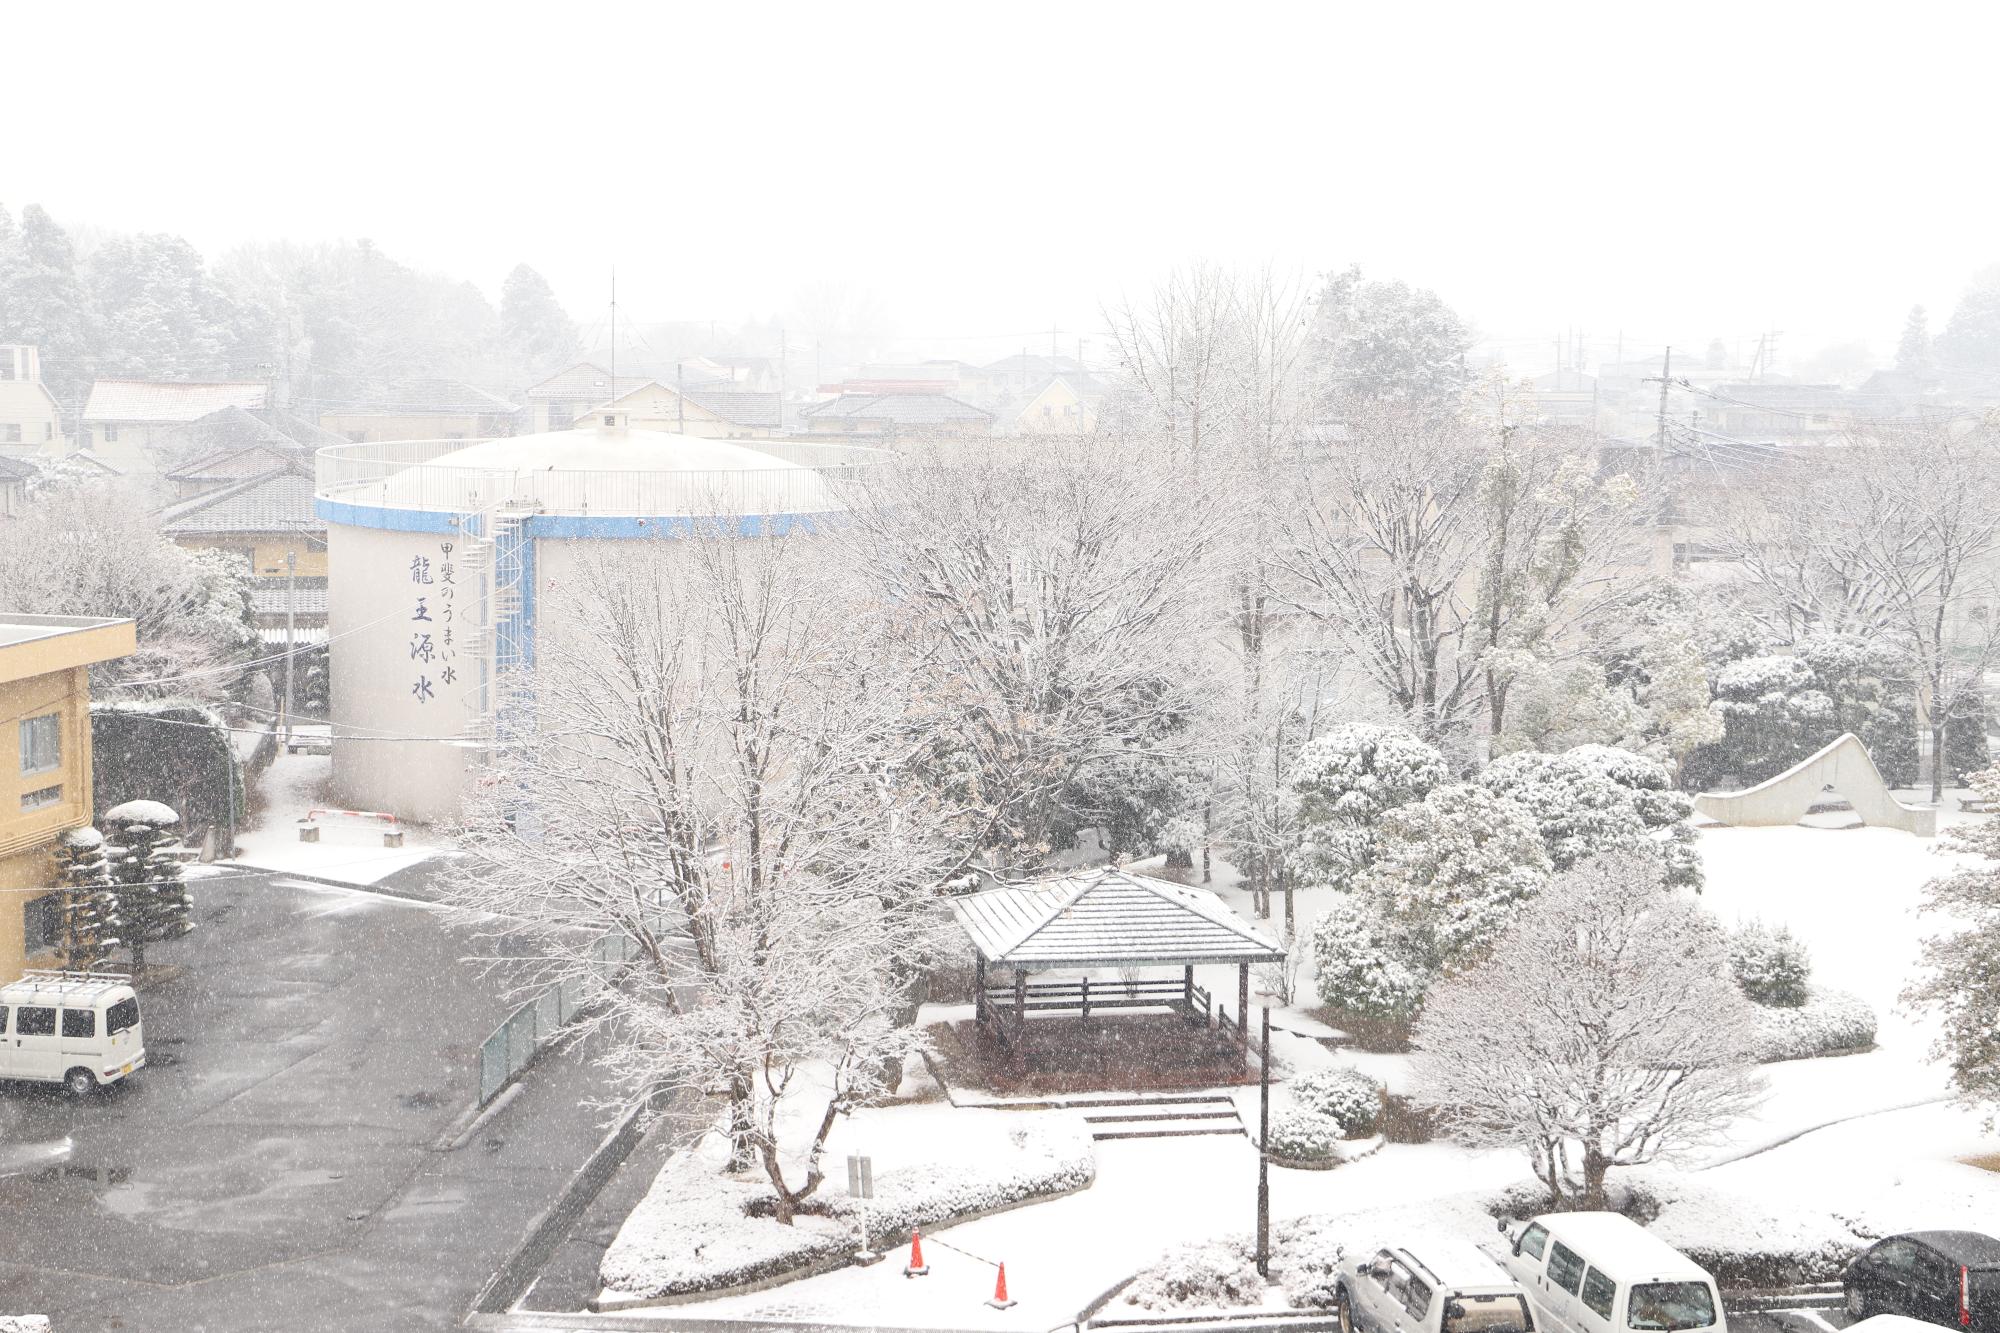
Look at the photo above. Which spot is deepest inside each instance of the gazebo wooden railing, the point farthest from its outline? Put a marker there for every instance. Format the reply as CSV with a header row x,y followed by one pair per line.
x,y
1083,996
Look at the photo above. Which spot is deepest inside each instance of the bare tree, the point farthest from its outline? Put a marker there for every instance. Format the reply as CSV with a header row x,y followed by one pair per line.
x,y
704,765
1605,1030
1043,596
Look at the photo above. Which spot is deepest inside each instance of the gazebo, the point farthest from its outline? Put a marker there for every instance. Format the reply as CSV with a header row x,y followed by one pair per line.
x,y
1108,917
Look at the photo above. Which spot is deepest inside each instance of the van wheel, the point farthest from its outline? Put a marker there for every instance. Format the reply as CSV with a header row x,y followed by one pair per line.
x,y
1342,1311
1857,1304
80,1082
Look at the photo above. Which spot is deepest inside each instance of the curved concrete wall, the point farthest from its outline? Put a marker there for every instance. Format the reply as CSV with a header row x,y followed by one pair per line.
x,y
1843,765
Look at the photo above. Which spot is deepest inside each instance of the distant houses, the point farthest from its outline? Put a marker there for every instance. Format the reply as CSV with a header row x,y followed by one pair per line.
x,y
415,409
127,422
30,418
892,415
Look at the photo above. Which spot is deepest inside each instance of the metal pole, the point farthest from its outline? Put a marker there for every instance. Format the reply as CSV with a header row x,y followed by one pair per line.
x,y
1264,1156
291,631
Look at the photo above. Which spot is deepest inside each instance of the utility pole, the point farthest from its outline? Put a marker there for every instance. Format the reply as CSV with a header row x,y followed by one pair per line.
x,y
680,399
1264,1154
784,350
291,631
1666,378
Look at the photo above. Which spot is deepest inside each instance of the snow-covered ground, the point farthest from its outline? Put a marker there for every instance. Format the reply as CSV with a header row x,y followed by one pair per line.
x,y
349,850
1849,894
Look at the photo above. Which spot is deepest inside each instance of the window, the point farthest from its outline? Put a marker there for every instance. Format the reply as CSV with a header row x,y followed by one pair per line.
x,y
4,1011
48,430
120,1016
10,433
34,1020
1598,1292
1671,1306
561,416
79,1023
610,419
1534,1240
1418,1298
1894,1257
42,922
1566,1269
1487,1314
41,743
110,434
41,798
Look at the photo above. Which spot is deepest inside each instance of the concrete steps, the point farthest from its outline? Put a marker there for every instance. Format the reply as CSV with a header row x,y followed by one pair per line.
x,y
1161,1117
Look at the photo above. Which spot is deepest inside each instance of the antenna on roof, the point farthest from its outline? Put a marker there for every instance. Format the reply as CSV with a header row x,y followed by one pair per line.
x,y
614,333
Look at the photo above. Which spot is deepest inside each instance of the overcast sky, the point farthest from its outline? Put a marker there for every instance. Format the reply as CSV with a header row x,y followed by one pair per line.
x,y
1677,172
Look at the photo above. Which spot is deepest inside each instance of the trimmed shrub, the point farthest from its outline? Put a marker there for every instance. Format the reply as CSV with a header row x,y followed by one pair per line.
x,y
1207,1275
1771,965
1829,1022
1300,1135
1344,1095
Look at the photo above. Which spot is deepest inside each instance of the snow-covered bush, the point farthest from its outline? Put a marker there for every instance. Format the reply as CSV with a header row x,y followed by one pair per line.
x,y
1771,965
1344,1095
1450,868
1829,1021
1596,799
1362,965
700,1230
1206,1275
1347,779
1302,1135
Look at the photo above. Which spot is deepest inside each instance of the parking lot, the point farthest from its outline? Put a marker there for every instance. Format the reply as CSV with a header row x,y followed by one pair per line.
x,y
274,1165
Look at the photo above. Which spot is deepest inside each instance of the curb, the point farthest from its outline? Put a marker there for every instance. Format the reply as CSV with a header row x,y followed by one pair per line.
x,y
331,883
475,1118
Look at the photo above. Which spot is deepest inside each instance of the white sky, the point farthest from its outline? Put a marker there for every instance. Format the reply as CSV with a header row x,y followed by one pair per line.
x,y
1677,172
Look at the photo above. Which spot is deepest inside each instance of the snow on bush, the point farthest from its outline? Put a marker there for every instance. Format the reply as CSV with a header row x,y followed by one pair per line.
x,y
1362,965
1597,798
1829,1021
1771,964
1206,1275
1302,1135
1343,1094
699,1230
1743,1239
1450,869
1345,781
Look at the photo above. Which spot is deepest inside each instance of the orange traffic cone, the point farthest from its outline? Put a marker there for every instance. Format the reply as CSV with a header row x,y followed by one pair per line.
x,y
1000,1300
916,1267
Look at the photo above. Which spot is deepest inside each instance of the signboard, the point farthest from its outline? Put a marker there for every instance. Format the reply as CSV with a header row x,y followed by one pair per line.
x,y
860,1177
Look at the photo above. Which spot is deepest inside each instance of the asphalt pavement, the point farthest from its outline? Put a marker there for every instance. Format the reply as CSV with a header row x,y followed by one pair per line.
x,y
273,1167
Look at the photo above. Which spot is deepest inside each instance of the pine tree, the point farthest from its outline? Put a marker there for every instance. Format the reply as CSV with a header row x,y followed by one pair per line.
x,y
152,899
536,333
42,302
90,921
1913,351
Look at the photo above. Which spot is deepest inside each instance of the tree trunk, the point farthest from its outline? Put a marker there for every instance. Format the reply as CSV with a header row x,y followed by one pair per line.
x,y
1939,724
1594,1167
742,1156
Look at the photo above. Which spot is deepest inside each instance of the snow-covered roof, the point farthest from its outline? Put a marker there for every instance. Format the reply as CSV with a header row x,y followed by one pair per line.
x,y
1621,1247
142,812
1456,1262
280,500
1105,918
158,401
586,382
611,449
902,409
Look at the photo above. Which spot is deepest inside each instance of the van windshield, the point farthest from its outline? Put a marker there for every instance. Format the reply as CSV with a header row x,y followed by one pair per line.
x,y
122,1015
1487,1314
1671,1305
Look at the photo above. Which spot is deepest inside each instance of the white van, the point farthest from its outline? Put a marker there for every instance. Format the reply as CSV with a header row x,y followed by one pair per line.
x,y
1604,1273
80,1029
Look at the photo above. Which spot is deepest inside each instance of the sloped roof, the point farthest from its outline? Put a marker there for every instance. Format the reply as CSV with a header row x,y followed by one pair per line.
x,y
280,500
903,409
742,407
269,596
586,382
1105,918
156,401
11,470
244,460
439,397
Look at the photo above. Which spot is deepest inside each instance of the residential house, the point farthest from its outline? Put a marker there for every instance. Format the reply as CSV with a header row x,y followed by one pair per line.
x,y
1058,408
419,409
14,478
129,423
559,400
30,419
231,445
889,415
264,519
45,773
710,413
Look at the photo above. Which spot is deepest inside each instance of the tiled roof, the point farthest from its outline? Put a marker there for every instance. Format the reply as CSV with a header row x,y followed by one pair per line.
x,y
268,596
741,407
13,470
244,460
1104,918
903,409
277,501
586,383
154,401
437,397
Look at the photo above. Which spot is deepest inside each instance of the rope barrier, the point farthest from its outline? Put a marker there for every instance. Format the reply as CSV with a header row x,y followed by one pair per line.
x,y
933,1240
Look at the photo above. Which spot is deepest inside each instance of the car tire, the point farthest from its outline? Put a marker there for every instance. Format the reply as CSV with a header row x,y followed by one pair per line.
x,y
80,1082
1343,1310
1857,1304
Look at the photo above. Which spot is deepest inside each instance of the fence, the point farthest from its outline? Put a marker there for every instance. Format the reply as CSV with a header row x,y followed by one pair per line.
x,y
514,1044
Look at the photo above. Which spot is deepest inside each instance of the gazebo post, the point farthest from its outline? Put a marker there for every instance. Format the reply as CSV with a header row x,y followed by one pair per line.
x,y
1243,1001
1187,988
978,987
1020,995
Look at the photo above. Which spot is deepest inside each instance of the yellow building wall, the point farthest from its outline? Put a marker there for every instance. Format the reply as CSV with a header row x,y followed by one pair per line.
x,y
26,404
265,551
363,427
27,837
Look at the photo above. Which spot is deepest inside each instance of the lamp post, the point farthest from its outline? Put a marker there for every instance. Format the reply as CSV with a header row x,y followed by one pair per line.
x,y
1264,1154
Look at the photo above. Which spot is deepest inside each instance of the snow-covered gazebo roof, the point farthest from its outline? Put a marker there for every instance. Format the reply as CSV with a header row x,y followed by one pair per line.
x,y
1108,918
